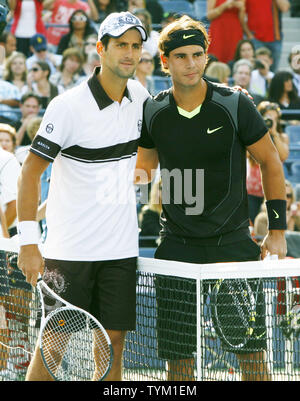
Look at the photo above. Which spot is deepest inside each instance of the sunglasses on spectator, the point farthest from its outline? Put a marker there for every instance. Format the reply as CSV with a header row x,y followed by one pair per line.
x,y
289,196
90,43
146,60
35,69
79,18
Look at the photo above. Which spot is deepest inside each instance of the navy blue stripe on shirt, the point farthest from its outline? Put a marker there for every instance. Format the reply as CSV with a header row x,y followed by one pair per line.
x,y
102,155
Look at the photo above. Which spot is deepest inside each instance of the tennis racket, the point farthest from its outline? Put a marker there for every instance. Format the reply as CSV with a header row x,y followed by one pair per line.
x,y
233,309
73,344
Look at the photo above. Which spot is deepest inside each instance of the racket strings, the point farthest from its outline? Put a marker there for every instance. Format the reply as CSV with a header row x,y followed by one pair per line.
x,y
235,311
74,346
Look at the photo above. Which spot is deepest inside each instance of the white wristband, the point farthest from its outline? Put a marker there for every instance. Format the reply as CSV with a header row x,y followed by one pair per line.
x,y
29,232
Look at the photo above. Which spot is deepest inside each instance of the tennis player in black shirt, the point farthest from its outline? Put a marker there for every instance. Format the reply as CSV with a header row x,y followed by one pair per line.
x,y
199,132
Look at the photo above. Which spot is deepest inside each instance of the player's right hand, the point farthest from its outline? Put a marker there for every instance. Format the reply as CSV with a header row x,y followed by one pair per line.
x,y
31,262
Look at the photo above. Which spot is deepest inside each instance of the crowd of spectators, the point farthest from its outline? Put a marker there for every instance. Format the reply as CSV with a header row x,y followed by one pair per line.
x,y
50,47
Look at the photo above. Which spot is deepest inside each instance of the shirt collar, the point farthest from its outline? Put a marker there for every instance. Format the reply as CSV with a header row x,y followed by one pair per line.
x,y
101,97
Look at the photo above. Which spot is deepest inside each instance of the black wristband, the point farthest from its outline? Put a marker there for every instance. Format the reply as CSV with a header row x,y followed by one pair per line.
x,y
276,209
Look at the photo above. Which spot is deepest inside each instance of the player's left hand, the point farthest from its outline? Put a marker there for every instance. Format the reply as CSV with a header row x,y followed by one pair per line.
x,y
275,244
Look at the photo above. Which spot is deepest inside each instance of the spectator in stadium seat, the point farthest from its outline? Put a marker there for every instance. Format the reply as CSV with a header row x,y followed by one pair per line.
x,y
156,10
264,25
61,11
8,138
89,47
227,13
27,21
205,234
68,75
9,102
38,83
15,70
91,63
101,9
134,5
242,70
293,208
151,45
38,46
294,62
244,50
8,141
9,42
283,91
219,71
271,113
102,119
169,17
30,108
261,74
144,71
80,29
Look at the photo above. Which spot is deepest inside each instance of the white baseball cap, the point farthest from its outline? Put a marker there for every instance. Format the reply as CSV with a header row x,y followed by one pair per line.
x,y
116,24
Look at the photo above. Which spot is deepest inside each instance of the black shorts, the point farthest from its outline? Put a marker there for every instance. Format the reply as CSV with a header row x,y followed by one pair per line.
x,y
176,297
106,289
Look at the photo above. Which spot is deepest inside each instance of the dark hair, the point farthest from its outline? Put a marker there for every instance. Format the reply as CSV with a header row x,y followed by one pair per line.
x,y
28,95
105,41
276,89
110,8
88,27
44,67
237,54
5,35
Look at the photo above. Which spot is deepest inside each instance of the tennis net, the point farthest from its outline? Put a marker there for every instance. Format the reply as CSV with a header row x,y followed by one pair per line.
x,y
194,322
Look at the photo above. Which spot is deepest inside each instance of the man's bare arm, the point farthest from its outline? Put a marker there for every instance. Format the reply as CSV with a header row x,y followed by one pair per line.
x,y
265,153
10,213
30,259
147,162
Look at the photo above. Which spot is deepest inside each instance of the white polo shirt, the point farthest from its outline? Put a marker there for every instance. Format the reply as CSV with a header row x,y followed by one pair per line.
x,y
9,173
92,142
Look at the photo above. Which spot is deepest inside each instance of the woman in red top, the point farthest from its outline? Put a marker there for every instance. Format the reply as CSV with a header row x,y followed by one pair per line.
x,y
27,21
226,29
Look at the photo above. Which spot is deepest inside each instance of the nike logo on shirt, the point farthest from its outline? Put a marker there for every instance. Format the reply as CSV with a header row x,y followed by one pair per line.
x,y
210,131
